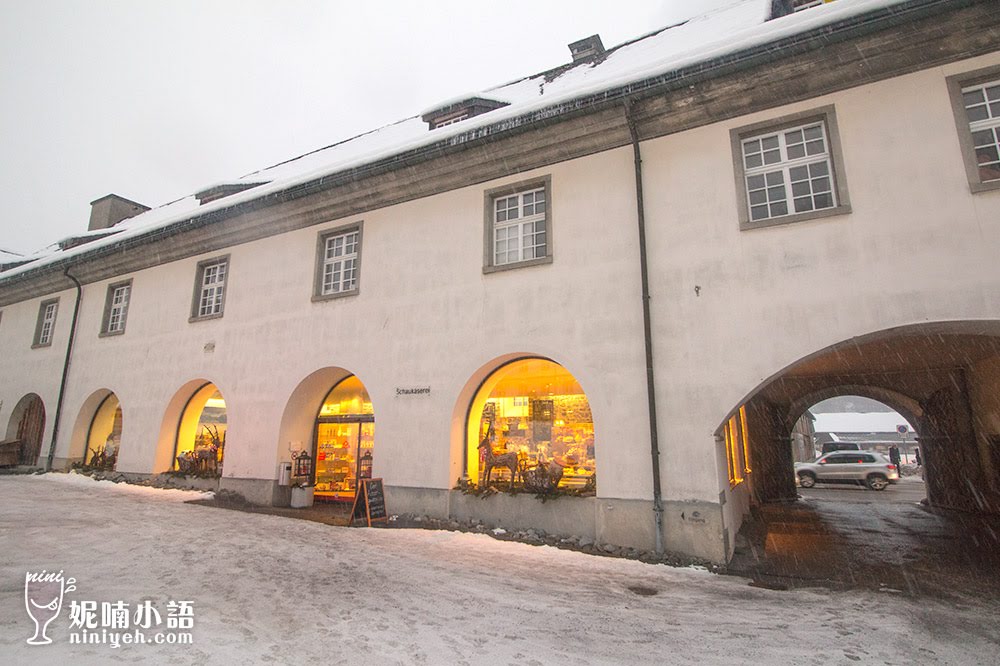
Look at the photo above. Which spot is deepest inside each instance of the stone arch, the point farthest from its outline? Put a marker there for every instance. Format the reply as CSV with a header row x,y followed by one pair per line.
x,y
298,420
942,377
330,417
101,405
479,389
173,424
908,407
27,423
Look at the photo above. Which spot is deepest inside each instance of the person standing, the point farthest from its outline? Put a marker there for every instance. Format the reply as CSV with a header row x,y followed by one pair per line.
x,y
916,453
894,455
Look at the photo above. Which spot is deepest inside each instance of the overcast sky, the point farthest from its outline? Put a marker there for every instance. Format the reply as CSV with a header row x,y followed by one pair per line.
x,y
154,100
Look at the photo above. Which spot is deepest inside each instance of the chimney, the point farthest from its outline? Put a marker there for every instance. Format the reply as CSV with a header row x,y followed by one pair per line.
x,y
111,209
586,49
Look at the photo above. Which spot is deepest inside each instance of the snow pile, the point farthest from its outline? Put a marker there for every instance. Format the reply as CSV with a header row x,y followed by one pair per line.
x,y
86,483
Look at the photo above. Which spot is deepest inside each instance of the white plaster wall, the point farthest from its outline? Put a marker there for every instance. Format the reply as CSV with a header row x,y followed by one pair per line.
x,y
918,247
24,370
426,315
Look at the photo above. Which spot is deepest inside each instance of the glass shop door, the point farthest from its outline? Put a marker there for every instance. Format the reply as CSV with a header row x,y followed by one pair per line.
x,y
343,452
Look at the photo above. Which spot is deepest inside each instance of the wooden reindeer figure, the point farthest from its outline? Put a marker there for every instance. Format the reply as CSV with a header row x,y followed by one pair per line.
x,y
508,460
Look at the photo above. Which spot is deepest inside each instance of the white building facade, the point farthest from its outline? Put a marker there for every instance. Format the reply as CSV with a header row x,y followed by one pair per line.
x,y
820,211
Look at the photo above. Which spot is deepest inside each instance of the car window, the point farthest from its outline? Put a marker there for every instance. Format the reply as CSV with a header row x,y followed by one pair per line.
x,y
868,459
840,459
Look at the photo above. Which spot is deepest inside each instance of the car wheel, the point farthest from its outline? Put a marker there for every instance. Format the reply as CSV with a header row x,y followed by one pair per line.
x,y
877,482
807,480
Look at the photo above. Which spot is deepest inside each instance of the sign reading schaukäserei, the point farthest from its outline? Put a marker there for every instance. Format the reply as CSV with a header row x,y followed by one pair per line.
x,y
413,390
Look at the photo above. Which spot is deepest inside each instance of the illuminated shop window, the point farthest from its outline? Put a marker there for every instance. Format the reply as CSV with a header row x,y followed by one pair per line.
x,y
535,409
345,441
105,436
737,447
201,435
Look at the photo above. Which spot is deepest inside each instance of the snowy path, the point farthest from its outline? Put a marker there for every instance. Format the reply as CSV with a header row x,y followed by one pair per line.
x,y
268,589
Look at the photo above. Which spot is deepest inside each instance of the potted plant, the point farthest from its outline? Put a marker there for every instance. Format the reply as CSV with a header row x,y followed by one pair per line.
x,y
302,494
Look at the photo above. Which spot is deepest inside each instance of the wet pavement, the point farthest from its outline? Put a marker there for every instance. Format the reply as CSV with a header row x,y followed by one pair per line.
x,y
847,537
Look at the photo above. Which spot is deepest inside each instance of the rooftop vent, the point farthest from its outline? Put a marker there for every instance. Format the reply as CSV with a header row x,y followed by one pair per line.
x,y
222,190
111,209
586,49
455,111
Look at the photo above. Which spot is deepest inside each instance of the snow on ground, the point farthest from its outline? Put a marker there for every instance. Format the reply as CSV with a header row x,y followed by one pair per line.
x,y
278,590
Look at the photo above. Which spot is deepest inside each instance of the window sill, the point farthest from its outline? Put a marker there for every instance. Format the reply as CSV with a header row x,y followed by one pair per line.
x,y
988,186
191,320
111,334
746,225
520,264
39,345
321,298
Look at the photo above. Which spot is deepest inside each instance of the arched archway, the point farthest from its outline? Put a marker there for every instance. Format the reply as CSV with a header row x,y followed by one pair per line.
x,y
531,412
97,433
27,424
943,377
193,432
330,417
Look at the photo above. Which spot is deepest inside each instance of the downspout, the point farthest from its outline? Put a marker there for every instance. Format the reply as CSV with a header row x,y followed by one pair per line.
x,y
65,370
654,445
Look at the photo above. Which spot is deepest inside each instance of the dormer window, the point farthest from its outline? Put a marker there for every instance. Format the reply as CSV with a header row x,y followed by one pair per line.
x,y
222,190
785,7
455,112
451,121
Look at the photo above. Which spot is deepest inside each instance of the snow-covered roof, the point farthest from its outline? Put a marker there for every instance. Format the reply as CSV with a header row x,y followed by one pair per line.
x,y
6,256
740,26
860,422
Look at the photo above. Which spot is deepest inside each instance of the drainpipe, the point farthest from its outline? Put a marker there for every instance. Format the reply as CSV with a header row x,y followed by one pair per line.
x,y
654,445
65,370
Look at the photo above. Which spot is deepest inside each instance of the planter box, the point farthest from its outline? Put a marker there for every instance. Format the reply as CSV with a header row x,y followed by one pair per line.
x,y
302,497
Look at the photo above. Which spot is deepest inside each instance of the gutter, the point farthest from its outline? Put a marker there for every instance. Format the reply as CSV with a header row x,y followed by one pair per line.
x,y
654,444
65,370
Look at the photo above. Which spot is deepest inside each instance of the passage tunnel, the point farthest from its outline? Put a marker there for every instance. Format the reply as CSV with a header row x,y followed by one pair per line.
x,y
944,379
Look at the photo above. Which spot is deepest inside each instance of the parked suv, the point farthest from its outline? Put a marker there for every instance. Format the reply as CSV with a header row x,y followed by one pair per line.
x,y
848,467
841,446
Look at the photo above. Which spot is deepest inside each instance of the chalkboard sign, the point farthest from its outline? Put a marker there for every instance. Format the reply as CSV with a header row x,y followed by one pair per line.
x,y
369,503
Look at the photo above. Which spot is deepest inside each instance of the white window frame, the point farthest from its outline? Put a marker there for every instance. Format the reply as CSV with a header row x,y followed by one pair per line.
x,y
451,121
338,262
116,308
210,287
518,227
45,327
958,87
795,161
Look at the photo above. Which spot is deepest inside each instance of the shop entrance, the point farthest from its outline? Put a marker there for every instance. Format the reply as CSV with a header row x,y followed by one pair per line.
x,y
344,441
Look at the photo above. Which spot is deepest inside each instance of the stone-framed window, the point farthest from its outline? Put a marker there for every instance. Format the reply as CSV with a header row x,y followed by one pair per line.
x,y
46,323
975,99
789,169
116,308
210,283
518,225
338,262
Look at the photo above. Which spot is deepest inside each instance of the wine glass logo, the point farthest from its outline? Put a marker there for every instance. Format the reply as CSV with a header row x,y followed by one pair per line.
x,y
43,597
